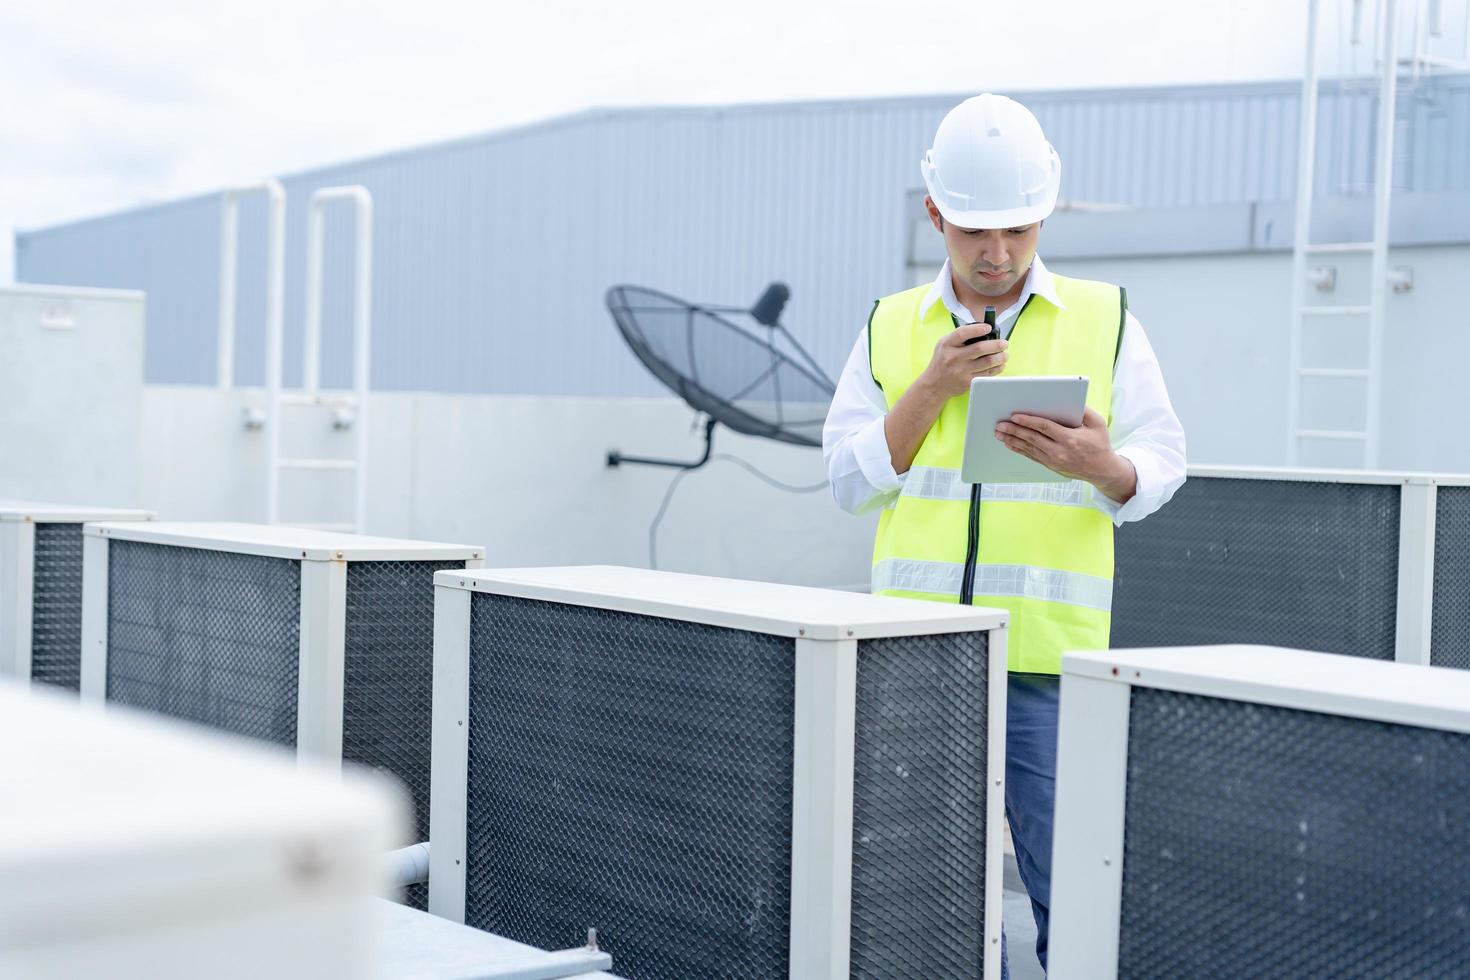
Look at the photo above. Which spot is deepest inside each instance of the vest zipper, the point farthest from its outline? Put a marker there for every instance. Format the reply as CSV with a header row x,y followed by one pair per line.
x,y
972,543
972,549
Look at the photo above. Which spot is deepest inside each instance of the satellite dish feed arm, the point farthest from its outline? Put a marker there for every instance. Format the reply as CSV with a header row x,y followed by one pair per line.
x,y
615,458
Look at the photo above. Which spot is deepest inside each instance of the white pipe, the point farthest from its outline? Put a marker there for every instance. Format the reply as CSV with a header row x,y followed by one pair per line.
x,y
228,271
229,224
1382,195
362,318
274,331
311,358
407,865
363,360
1305,164
1420,41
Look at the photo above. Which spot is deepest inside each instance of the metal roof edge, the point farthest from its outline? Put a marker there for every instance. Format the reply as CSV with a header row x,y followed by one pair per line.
x,y
64,291
603,113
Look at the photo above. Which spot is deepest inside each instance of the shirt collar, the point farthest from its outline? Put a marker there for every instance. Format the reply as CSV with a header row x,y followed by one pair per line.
x,y
1039,282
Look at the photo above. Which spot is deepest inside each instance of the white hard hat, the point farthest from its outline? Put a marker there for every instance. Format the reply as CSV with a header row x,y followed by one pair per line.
x,y
991,166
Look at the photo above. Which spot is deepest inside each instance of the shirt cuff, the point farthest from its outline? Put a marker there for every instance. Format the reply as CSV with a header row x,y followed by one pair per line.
x,y
1145,491
870,449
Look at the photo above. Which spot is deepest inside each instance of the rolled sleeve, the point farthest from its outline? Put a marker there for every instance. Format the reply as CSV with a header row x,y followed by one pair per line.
x,y
1153,490
1145,431
854,443
870,449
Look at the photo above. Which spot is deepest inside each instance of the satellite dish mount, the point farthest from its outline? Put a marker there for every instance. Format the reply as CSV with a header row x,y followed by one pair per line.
x,y
615,458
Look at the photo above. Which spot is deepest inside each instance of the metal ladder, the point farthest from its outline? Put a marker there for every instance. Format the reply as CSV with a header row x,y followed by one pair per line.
x,y
1377,248
351,409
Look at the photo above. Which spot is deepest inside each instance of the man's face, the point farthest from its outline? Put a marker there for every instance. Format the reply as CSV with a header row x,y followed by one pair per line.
x,y
990,261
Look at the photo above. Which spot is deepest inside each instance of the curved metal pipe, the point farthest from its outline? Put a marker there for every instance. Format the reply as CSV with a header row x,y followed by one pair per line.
x,y
407,865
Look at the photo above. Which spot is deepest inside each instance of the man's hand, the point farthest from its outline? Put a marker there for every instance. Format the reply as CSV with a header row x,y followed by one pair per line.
x,y
1083,453
949,374
955,365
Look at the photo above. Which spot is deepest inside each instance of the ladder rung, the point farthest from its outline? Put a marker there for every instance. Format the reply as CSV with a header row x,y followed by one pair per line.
x,y
1334,372
1336,310
303,463
1339,247
325,401
1329,434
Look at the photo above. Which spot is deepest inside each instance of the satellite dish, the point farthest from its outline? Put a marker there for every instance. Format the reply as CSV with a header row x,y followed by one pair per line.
x,y
738,366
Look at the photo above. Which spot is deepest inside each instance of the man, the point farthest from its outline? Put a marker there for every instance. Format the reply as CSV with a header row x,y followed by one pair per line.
x,y
896,429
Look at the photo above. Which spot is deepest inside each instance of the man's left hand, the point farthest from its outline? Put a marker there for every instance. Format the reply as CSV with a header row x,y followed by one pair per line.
x,y
1083,453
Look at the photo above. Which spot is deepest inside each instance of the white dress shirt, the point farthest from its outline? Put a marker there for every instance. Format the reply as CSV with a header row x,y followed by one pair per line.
x,y
1144,428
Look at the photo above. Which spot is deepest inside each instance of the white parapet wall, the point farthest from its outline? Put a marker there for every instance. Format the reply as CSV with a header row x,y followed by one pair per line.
x,y
525,475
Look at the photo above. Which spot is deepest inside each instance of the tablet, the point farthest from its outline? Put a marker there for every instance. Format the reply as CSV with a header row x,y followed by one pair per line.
x,y
992,400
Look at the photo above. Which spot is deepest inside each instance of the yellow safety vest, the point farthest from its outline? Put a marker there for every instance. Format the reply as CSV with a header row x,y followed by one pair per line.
x,y
1045,553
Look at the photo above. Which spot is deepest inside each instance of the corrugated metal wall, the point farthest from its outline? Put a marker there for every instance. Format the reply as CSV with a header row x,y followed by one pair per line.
x,y
493,252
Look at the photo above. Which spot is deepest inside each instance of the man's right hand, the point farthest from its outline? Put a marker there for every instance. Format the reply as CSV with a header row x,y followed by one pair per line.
x,y
949,374
954,365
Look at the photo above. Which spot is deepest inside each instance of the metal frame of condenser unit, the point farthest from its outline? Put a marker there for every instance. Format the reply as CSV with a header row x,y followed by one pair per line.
x,y
823,763
18,577
17,581
1092,755
1417,506
322,644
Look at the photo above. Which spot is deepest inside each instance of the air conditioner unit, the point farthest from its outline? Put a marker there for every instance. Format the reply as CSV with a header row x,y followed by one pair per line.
x,y
41,588
1251,811
131,848
724,778
1367,564
314,639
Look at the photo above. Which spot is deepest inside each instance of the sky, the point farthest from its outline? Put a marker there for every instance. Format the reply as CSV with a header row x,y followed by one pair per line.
x,y
106,104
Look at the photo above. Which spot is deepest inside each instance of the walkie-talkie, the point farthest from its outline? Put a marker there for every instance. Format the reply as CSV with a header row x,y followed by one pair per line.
x,y
994,333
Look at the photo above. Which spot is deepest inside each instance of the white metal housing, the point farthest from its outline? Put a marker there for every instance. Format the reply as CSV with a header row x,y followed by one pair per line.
x,y
1092,777
18,520
131,847
324,557
1416,545
71,393
825,628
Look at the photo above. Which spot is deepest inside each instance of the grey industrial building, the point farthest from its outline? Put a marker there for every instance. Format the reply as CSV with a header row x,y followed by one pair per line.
x,y
493,251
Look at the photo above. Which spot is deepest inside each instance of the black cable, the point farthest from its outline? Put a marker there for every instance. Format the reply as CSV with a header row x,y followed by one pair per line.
x,y
972,549
717,457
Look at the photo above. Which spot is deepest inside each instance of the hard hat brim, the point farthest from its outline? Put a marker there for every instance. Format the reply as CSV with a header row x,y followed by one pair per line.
x,y
988,220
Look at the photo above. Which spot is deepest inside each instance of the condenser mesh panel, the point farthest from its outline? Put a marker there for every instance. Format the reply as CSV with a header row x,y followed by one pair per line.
x,y
1272,842
633,774
1449,637
387,687
918,846
209,636
1278,562
56,606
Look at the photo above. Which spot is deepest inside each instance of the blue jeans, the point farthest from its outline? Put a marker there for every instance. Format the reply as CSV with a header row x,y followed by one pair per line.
x,y
1031,792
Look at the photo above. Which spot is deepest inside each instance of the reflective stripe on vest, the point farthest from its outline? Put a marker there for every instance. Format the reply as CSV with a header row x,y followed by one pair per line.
x,y
938,483
1045,550
1005,581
